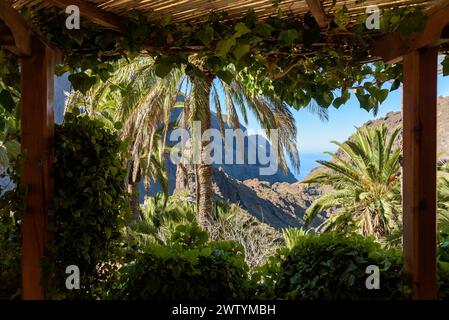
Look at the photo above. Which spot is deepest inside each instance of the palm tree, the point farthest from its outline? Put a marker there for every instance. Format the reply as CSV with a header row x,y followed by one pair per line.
x,y
159,217
366,195
145,102
269,111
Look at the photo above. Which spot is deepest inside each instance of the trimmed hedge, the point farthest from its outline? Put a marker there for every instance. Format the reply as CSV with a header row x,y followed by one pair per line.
x,y
331,266
213,271
10,244
443,263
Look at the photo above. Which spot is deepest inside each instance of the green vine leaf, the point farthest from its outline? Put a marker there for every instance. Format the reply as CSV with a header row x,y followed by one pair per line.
x,y
395,85
224,46
240,50
241,29
338,102
206,35
288,36
166,20
445,64
413,23
6,100
264,30
342,18
381,95
363,100
82,81
162,69
225,75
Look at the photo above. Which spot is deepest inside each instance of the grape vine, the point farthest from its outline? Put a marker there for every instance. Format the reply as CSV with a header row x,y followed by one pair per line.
x,y
292,57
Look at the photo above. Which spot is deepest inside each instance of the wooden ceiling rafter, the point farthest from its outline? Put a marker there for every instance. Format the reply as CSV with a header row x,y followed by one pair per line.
x,y
15,26
95,14
6,37
316,8
195,11
392,47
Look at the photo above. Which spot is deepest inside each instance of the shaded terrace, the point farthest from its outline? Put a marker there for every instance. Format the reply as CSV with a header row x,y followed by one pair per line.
x,y
418,54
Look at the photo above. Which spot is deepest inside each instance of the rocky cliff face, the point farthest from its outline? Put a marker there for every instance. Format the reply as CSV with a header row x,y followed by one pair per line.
x,y
279,204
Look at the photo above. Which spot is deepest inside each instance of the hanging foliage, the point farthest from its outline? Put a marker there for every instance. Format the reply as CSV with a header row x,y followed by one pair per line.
x,y
292,57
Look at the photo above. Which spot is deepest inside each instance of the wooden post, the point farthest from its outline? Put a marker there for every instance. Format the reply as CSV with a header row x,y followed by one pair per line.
x,y
419,170
37,133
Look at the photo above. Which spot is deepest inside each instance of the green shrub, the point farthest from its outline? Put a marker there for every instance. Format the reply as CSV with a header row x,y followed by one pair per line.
x,y
292,236
158,219
443,263
189,236
10,280
12,206
213,271
90,204
11,199
331,266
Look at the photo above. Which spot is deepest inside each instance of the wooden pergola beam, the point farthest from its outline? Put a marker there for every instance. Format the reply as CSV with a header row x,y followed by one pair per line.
x,y
419,170
37,135
18,28
317,11
6,37
392,47
95,14
37,64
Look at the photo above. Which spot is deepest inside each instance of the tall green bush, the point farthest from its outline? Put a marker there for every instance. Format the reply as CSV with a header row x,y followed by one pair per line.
x,y
11,209
90,204
331,266
188,268
158,219
11,195
443,263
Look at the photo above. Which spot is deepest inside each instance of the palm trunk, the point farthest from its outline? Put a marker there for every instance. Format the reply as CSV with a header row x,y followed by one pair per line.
x,y
181,179
133,190
201,92
204,180
182,169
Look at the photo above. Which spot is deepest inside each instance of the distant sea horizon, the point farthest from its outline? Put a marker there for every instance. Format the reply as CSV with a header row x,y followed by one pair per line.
x,y
308,163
